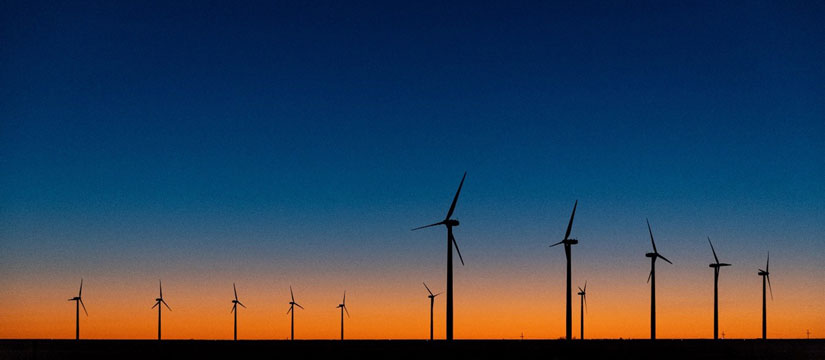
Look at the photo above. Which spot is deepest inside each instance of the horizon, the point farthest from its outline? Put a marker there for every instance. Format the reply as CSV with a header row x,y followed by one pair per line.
x,y
277,145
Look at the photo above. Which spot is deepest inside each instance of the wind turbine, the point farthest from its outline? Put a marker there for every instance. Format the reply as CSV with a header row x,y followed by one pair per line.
x,y
432,302
235,304
343,306
765,274
159,301
449,223
716,267
567,243
583,302
292,305
78,303
652,280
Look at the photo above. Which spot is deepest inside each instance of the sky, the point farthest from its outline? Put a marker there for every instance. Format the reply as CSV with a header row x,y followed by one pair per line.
x,y
296,143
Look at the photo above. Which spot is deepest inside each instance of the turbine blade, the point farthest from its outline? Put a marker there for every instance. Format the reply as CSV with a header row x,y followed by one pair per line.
x,y
455,199
290,309
426,226
456,249
241,304
585,286
344,301
156,304
167,305
714,251
664,258
233,307
235,290
84,306
428,288
161,288
79,293
346,311
291,294
769,285
438,294
649,276
558,243
580,289
767,266
585,302
651,235
570,224
299,305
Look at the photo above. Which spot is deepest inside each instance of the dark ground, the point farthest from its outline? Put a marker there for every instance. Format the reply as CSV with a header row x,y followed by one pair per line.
x,y
394,349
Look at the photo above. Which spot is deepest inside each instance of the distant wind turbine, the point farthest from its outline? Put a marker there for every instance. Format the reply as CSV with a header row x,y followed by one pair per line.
x,y
78,303
567,243
652,280
159,301
432,302
235,304
292,305
766,275
716,267
583,302
343,306
450,223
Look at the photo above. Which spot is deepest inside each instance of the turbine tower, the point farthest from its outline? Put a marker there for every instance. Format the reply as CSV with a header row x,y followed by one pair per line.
x,y
567,243
652,280
432,302
292,305
159,301
766,275
583,302
235,304
78,303
343,306
716,267
450,223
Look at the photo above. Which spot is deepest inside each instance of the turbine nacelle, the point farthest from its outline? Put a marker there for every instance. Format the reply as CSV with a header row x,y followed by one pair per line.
x,y
651,255
763,273
451,222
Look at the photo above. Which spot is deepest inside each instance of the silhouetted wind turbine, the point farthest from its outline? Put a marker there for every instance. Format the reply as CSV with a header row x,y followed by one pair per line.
x,y
159,301
716,267
567,243
292,305
583,302
235,304
449,223
432,302
343,306
78,303
652,280
766,275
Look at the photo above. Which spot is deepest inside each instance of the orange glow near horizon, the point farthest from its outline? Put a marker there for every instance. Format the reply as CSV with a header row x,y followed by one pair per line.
x,y
382,308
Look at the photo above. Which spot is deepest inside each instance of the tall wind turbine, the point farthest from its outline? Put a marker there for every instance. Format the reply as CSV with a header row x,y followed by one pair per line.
x,y
432,302
716,267
766,275
78,303
159,301
567,243
583,302
343,306
652,280
292,305
235,304
449,223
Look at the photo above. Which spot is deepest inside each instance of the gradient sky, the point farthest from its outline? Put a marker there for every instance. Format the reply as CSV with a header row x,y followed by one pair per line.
x,y
206,143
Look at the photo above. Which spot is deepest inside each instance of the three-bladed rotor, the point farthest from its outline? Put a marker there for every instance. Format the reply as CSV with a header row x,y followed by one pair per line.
x,y
160,300
450,223
583,294
655,254
717,264
343,304
79,298
431,296
235,302
766,273
567,241
292,303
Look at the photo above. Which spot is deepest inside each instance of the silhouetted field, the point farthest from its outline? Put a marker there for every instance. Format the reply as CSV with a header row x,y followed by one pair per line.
x,y
392,349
